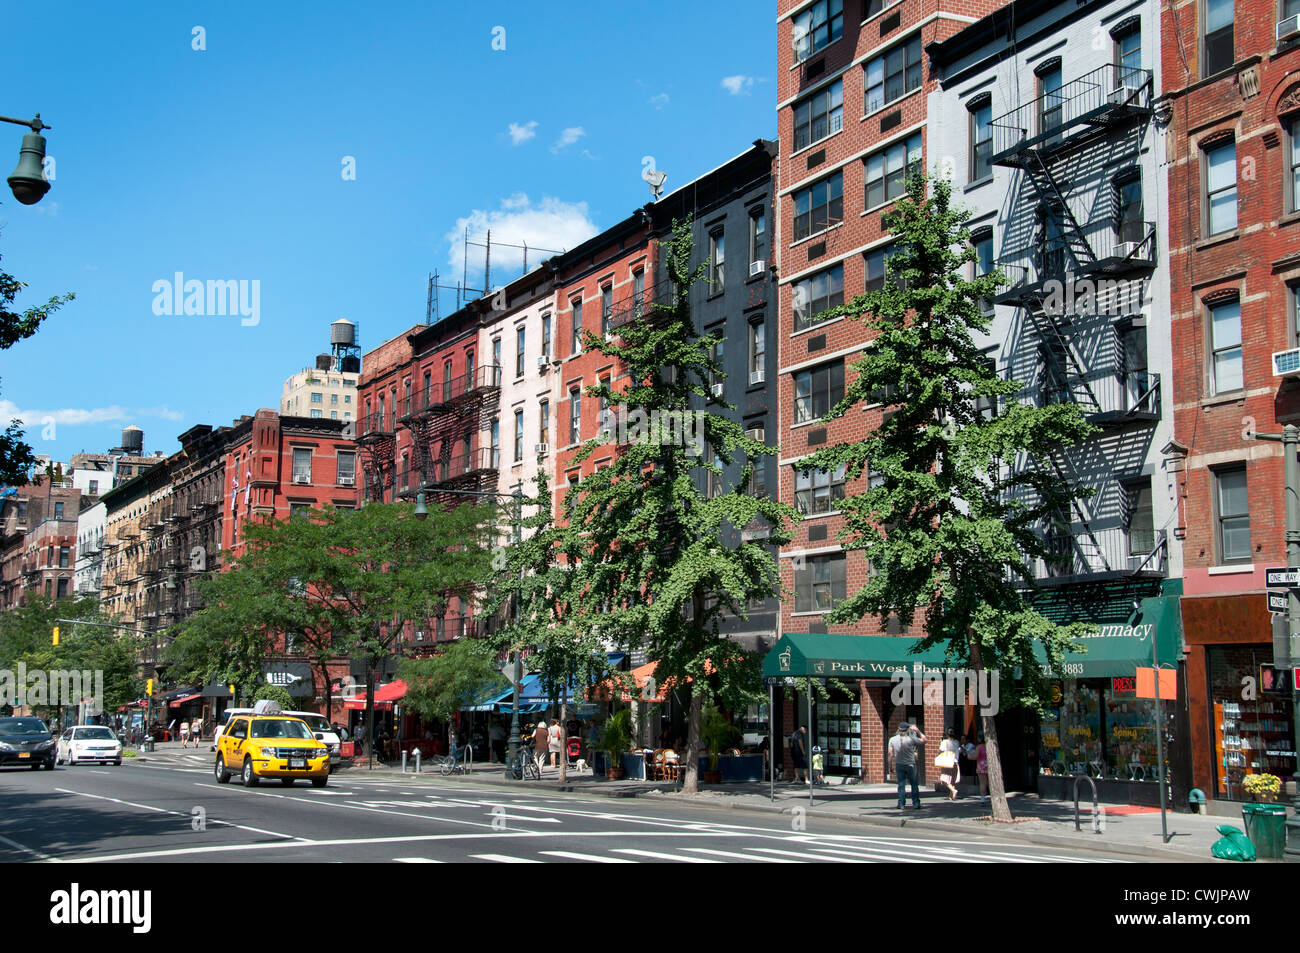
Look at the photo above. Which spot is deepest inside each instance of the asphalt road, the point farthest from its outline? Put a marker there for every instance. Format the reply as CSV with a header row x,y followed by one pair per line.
x,y
176,813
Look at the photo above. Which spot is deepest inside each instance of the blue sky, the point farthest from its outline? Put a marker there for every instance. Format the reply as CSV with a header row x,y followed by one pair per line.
x,y
228,163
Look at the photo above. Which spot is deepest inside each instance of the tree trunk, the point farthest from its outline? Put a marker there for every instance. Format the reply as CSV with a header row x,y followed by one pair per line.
x,y
329,692
564,731
997,790
369,740
691,776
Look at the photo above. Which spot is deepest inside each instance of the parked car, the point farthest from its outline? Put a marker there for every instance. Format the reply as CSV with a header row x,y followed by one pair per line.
x,y
223,720
26,742
82,743
260,746
323,731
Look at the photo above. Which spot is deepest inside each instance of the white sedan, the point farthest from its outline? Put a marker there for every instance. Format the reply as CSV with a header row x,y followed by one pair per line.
x,y
88,743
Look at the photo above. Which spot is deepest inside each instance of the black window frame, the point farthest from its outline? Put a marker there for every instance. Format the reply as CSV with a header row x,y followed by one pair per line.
x,y
829,565
825,390
832,204
892,185
810,312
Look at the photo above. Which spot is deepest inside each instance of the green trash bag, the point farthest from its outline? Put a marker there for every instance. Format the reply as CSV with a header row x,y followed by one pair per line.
x,y
1233,845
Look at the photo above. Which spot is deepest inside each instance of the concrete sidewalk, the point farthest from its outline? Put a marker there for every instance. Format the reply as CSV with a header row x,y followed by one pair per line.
x,y
1119,829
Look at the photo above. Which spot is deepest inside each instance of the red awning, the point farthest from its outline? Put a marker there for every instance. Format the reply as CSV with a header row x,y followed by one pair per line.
x,y
385,695
177,702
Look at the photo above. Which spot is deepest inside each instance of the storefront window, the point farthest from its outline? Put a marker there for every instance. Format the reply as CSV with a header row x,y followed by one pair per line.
x,y
1252,735
1100,727
839,733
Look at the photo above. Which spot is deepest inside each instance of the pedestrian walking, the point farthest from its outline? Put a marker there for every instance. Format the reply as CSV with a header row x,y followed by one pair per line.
x,y
903,748
497,735
818,763
799,753
541,741
554,741
982,768
947,763
185,734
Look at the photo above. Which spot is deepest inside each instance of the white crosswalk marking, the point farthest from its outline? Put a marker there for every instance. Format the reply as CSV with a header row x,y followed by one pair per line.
x,y
824,858
504,859
736,855
415,860
866,854
655,855
592,858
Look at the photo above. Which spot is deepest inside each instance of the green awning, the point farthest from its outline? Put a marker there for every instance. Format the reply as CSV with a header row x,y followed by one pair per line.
x,y
1113,649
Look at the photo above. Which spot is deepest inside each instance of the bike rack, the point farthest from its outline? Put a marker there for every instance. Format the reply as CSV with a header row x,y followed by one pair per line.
x,y
1092,784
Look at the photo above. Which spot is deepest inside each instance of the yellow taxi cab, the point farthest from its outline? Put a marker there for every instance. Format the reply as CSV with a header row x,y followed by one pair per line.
x,y
271,745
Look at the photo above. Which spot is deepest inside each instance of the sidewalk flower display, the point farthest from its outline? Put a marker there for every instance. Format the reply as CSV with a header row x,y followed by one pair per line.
x,y
1263,787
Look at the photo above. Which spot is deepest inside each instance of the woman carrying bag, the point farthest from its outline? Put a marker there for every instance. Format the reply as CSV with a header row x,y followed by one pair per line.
x,y
946,762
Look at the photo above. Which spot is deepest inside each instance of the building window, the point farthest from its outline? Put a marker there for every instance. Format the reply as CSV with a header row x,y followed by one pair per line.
x,y
94,487
604,420
887,170
1129,226
819,583
546,336
872,7
757,240
446,381
347,467
1050,99
982,239
1292,127
894,75
64,553
718,355
58,511
317,413
544,423
347,398
519,435
876,267
758,476
819,116
1225,346
817,294
316,398
638,292
1216,46
712,478
717,259
818,27
1128,55
62,590
496,352
981,138
519,352
819,206
575,346
406,471
817,390
757,351
301,465
1141,519
1232,507
606,309
817,491
575,415
1221,188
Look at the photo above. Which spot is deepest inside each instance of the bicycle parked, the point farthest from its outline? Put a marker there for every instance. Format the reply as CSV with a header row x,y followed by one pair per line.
x,y
459,762
524,767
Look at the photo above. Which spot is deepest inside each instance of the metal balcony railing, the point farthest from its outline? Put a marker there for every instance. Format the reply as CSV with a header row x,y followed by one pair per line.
x,y
439,395
1121,398
480,460
632,307
1118,553
376,425
1131,250
1106,96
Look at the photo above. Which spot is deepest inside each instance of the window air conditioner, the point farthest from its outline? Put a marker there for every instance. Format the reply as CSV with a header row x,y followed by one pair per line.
x,y
541,448
757,267
1122,95
1288,28
301,478
717,389
1286,363
347,481
542,362
1127,249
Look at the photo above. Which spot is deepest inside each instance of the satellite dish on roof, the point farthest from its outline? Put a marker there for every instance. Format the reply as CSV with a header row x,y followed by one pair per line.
x,y
655,179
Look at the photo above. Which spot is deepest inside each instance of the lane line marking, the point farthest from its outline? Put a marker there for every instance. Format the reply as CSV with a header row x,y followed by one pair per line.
x,y
656,855
504,859
27,850
161,810
416,860
591,858
824,858
737,855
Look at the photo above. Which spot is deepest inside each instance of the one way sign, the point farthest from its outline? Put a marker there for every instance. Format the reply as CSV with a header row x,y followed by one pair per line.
x,y
1281,577
1277,602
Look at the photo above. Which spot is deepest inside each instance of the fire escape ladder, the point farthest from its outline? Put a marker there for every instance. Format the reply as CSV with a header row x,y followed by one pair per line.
x,y
1053,338
1087,544
1050,193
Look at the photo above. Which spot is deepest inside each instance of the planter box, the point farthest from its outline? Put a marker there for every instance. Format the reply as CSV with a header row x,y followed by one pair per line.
x,y
736,768
633,766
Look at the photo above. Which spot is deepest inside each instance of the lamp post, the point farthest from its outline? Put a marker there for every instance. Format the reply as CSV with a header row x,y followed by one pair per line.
x,y
28,182
422,513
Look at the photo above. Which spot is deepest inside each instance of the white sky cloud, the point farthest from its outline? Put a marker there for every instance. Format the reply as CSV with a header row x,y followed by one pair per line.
x,y
73,416
659,100
522,133
567,138
738,85
546,224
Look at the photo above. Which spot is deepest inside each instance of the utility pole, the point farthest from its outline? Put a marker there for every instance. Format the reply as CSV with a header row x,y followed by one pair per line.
x,y
1290,440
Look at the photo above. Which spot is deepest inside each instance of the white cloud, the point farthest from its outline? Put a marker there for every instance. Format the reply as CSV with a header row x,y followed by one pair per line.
x,y
74,416
567,138
547,226
739,85
520,134
48,208
659,100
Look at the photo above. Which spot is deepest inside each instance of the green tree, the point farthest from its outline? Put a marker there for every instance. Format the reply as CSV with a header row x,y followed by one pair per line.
x,y
16,457
651,570
460,674
276,693
530,594
951,528
352,579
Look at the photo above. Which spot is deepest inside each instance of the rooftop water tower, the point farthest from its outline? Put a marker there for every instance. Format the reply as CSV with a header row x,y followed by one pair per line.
x,y
344,346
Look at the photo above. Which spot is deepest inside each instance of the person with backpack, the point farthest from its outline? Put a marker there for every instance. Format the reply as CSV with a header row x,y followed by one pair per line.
x,y
799,753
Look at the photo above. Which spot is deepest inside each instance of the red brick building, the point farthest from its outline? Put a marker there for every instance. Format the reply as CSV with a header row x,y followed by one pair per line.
x,y
1233,106
852,88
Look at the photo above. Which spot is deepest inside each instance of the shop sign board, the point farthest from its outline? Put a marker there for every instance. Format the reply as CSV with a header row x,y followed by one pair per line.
x,y
1281,577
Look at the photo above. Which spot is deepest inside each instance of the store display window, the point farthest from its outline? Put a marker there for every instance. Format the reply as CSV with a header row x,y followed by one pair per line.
x,y
1253,730
839,732
1099,727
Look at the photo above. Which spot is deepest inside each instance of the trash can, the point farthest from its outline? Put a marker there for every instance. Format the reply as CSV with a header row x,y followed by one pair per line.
x,y
1266,828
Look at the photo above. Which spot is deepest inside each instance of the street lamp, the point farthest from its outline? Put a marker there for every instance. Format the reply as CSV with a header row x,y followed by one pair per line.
x,y
422,513
28,181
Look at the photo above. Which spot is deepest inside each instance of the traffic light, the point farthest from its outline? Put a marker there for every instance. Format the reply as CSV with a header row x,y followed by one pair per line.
x,y
56,636
148,687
